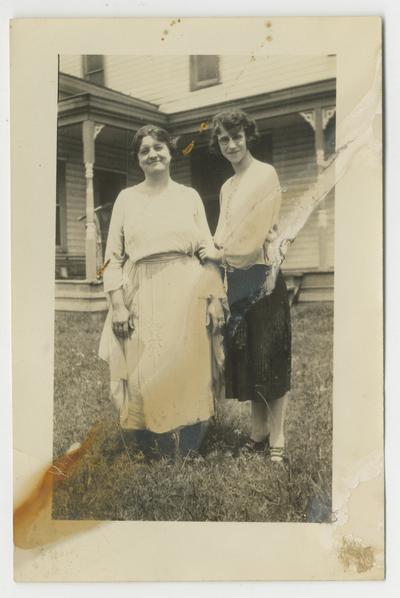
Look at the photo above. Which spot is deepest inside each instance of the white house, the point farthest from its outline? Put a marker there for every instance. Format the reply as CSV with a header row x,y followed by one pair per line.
x,y
103,100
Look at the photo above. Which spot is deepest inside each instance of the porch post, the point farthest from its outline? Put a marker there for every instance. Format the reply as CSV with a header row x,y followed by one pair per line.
x,y
322,211
88,133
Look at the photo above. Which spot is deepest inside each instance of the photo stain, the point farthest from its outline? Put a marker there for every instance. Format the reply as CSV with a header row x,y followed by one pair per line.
x,y
268,24
352,552
101,269
166,31
269,38
188,148
32,521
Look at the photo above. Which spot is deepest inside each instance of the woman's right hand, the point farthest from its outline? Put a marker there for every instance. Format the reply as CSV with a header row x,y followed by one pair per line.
x,y
215,315
122,321
209,253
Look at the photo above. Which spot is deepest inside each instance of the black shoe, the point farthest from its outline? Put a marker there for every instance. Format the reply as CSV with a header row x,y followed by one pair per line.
x,y
257,447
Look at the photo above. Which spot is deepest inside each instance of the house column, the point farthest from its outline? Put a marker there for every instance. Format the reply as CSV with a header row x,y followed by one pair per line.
x,y
88,133
318,119
322,212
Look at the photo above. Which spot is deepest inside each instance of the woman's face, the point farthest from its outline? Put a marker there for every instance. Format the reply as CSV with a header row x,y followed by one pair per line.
x,y
153,156
232,144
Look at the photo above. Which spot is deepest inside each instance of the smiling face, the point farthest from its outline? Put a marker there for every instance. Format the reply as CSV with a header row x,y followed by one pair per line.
x,y
233,144
153,156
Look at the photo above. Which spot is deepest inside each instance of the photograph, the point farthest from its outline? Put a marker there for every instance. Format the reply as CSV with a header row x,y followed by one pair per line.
x,y
194,287
197,303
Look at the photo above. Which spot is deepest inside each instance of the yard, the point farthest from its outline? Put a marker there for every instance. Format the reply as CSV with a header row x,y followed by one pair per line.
x,y
115,481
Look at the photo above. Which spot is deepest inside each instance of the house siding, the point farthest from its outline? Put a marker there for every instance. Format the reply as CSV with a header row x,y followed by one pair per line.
x,y
71,64
294,160
165,80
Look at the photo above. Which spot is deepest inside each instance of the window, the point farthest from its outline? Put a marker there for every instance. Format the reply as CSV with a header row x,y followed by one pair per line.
x,y
61,228
204,71
93,68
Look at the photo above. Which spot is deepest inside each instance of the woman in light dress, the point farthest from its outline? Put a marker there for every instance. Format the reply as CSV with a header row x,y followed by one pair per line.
x,y
258,335
162,335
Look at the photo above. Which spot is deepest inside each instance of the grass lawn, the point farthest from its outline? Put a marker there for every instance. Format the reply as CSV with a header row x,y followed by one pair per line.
x,y
115,481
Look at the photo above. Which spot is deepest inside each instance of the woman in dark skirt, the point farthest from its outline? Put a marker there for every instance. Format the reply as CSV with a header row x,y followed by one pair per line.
x,y
258,333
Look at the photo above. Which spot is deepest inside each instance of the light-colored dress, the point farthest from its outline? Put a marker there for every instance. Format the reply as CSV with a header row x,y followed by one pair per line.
x,y
166,374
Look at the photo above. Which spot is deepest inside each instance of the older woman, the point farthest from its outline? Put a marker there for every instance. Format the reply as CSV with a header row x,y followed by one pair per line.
x,y
166,306
258,339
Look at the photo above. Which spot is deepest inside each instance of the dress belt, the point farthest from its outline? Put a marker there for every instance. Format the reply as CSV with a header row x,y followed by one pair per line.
x,y
164,257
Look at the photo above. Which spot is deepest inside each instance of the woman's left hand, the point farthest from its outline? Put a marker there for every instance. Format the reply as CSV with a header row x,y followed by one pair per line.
x,y
215,315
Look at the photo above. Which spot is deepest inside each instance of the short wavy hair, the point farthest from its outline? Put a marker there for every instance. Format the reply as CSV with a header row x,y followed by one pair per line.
x,y
232,120
158,133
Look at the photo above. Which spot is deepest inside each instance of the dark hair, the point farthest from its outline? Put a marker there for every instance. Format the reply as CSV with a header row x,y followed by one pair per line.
x,y
232,120
157,133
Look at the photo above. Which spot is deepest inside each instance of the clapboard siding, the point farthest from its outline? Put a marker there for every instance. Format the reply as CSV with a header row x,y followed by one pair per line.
x,y
294,160
244,77
75,188
71,64
70,149
165,80
153,78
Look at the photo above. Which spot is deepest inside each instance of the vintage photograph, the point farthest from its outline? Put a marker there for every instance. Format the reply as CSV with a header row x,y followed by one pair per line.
x,y
197,299
194,282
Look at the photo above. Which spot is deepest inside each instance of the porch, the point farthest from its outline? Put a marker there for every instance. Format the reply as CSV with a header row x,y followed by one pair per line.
x,y
95,129
81,295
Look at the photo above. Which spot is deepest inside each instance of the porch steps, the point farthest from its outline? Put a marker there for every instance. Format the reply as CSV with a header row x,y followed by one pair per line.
x,y
85,296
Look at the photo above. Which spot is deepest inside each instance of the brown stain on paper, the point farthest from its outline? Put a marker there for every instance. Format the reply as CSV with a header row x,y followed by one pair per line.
x,y
353,553
166,32
189,147
33,523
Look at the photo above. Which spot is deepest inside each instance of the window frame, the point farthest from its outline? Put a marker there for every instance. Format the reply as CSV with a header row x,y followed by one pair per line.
x,y
87,73
195,84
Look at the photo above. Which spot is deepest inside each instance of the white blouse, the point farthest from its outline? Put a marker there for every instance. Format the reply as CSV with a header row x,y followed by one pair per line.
x,y
143,225
250,204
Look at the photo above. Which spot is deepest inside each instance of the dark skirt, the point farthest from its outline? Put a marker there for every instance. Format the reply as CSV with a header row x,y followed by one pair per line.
x,y
258,338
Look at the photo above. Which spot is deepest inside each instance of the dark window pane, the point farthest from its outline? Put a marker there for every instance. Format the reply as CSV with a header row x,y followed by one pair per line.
x,y
93,68
204,71
207,68
97,78
94,62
